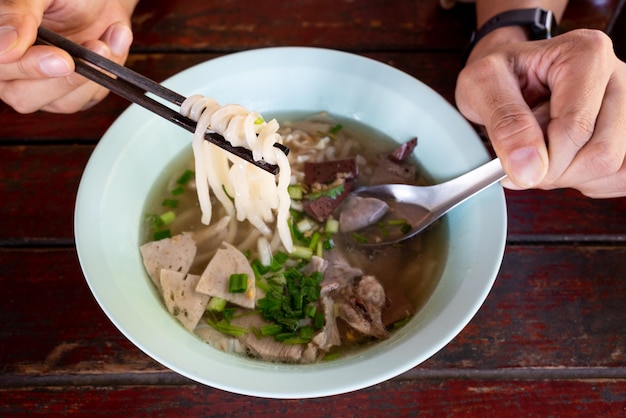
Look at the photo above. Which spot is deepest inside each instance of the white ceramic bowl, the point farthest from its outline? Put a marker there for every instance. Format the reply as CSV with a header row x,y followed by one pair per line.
x,y
137,147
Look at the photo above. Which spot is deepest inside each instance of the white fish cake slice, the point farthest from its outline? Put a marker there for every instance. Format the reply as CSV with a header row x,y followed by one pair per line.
x,y
176,254
181,298
214,280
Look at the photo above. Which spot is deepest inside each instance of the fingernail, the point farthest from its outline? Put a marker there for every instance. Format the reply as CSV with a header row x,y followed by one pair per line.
x,y
8,38
120,39
54,66
526,166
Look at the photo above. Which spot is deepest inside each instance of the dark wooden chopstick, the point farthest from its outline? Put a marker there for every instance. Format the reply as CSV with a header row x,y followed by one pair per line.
x,y
133,86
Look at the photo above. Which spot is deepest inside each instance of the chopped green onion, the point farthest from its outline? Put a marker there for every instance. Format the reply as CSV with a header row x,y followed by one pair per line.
x,y
319,320
229,329
155,221
170,203
331,357
271,330
295,192
315,239
216,304
238,283
400,323
185,177
328,244
305,225
159,235
359,238
168,217
332,226
302,252
306,333
178,191
310,311
319,249
336,128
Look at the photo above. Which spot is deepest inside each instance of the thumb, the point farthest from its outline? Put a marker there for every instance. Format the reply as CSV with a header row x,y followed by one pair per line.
x,y
19,21
490,95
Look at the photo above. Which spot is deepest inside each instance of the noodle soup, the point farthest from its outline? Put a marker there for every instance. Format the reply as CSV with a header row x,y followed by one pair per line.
x,y
397,279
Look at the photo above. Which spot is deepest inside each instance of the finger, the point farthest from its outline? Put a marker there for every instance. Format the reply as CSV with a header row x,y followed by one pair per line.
x,y
489,93
26,96
19,21
578,83
119,38
81,98
603,157
38,62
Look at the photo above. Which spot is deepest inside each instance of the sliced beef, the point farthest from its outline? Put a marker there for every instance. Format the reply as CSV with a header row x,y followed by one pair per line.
x,y
389,172
319,176
401,153
266,348
393,168
329,335
361,305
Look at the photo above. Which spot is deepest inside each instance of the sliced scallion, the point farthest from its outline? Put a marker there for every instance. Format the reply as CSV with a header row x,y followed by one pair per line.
x,y
168,217
238,283
159,235
185,177
170,203
216,304
302,252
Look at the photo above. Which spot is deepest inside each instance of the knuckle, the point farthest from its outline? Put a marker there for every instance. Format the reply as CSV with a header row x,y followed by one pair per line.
x,y
510,120
579,128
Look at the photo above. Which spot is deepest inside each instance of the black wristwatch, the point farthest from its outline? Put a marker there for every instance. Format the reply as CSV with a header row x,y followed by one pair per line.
x,y
540,23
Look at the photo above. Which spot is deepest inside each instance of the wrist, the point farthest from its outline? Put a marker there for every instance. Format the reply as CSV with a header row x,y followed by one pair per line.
x,y
536,23
496,39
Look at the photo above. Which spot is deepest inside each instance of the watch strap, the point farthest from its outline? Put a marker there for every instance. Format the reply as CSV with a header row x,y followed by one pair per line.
x,y
540,23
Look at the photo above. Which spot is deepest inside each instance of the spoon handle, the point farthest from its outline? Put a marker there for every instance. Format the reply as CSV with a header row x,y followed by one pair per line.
x,y
458,190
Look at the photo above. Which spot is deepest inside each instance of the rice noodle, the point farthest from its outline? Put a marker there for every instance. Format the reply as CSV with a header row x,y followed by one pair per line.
x,y
244,190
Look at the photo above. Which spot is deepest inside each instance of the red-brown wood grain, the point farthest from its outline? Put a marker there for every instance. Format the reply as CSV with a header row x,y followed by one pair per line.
x,y
428,397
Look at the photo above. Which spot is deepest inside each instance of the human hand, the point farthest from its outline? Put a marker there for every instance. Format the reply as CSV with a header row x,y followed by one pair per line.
x,y
554,110
41,77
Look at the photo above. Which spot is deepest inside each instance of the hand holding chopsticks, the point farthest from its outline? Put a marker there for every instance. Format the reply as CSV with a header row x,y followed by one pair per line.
x,y
133,86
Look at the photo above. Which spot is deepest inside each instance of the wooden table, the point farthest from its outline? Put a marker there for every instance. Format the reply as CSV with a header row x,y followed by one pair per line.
x,y
549,340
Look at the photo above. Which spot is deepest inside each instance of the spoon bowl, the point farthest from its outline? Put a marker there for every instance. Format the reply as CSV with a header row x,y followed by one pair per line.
x,y
413,208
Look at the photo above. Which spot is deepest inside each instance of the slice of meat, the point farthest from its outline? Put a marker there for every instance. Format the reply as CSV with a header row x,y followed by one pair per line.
x,y
266,348
339,273
329,335
218,340
360,306
327,171
214,281
176,254
323,174
401,153
389,172
181,298
359,212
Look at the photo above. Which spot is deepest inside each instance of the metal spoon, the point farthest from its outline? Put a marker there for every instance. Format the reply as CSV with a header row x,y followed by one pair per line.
x,y
419,206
